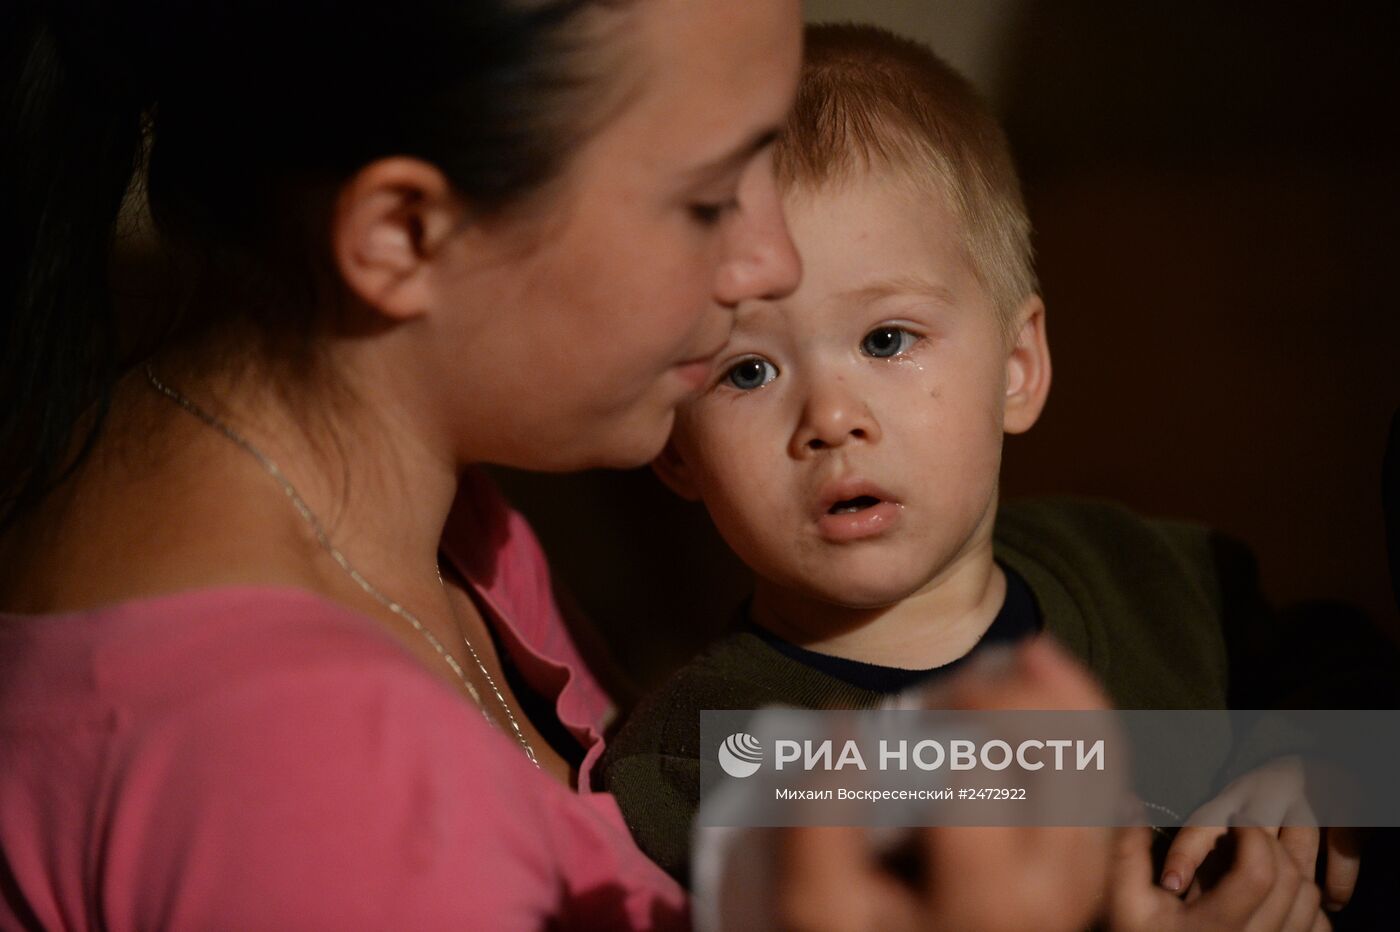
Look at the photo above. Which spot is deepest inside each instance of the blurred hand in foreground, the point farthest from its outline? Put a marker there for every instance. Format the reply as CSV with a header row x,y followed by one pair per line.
x,y
958,878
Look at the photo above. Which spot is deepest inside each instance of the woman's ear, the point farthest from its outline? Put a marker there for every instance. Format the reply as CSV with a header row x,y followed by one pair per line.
x,y
1027,369
391,220
670,467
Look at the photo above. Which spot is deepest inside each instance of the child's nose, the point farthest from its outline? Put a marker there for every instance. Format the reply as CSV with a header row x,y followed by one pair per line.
x,y
833,417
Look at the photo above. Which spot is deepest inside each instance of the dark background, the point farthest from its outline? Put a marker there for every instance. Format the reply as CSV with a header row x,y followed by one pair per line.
x,y
1215,190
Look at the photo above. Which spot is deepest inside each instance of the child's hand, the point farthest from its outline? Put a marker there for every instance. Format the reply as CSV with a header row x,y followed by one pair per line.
x,y
1261,891
1270,796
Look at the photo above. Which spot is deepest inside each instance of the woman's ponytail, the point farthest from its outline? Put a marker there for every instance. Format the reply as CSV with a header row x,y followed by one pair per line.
x,y
70,141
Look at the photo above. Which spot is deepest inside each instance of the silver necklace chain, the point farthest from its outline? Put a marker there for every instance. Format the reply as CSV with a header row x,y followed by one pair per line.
x,y
324,540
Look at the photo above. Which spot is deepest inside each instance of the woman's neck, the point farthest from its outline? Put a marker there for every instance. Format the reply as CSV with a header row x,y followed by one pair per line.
x,y
167,502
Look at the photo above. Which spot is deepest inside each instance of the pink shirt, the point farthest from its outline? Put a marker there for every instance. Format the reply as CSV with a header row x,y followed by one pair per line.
x,y
258,758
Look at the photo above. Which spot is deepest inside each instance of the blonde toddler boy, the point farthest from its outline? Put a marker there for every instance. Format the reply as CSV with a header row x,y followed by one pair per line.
x,y
849,440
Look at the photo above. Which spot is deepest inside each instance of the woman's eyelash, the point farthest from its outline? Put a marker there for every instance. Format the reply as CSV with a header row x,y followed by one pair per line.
x,y
710,214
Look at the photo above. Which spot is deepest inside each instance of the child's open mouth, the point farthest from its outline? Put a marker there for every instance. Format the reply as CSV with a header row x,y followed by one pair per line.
x,y
862,510
852,505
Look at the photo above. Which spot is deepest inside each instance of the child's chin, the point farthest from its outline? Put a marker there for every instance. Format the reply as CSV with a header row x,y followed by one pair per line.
x,y
869,580
863,595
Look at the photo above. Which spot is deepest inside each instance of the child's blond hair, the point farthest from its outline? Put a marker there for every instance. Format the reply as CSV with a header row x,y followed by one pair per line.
x,y
869,100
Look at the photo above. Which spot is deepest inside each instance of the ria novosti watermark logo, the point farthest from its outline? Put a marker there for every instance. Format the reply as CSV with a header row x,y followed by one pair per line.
x,y
786,758
898,767
740,755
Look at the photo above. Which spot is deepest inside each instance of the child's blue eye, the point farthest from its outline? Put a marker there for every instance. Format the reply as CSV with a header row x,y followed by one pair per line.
x,y
884,342
751,373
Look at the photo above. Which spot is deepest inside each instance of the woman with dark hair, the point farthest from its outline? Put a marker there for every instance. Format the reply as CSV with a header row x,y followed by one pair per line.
x,y
248,573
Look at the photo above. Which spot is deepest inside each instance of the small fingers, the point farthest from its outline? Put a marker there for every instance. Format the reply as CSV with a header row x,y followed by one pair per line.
x,y
1343,866
1306,909
1244,888
1186,853
1301,842
1276,911
1133,899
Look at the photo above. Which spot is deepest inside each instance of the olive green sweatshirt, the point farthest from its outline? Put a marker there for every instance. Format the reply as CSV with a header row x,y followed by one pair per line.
x,y
1166,614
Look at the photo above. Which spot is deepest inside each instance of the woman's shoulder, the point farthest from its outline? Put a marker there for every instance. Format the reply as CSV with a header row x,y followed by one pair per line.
x,y
197,640
272,736
278,673
190,670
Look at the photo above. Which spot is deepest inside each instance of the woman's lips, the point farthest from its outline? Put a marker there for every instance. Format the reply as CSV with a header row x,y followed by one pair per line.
x,y
695,373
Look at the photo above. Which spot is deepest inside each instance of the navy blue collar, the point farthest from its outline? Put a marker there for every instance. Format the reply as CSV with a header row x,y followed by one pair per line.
x,y
1018,618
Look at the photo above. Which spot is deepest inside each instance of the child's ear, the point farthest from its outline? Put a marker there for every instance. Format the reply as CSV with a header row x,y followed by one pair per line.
x,y
670,467
1027,368
391,221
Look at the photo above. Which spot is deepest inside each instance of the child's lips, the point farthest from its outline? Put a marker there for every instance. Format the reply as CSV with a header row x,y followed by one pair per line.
x,y
870,521
853,509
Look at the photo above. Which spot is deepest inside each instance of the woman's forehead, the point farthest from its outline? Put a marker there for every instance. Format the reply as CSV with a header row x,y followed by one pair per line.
x,y
715,77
